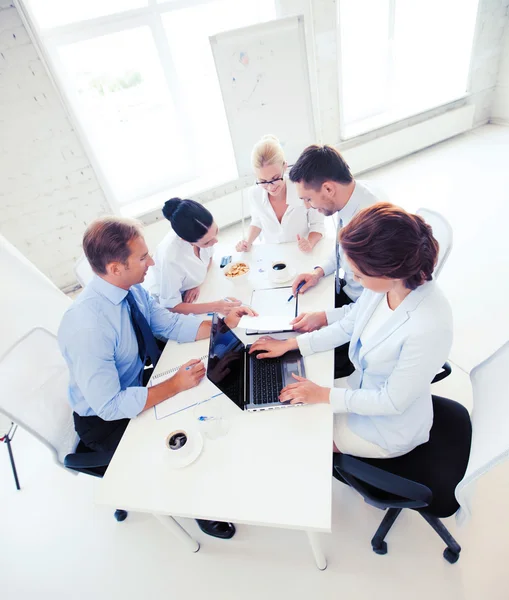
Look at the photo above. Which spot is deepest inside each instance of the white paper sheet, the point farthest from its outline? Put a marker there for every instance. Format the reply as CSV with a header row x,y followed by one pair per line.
x,y
265,323
183,400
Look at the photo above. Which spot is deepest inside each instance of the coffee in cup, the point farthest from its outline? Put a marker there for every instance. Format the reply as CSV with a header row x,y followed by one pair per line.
x,y
177,442
279,271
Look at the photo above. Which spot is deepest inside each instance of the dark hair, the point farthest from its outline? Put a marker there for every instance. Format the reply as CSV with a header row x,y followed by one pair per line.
x,y
189,219
106,240
318,164
386,241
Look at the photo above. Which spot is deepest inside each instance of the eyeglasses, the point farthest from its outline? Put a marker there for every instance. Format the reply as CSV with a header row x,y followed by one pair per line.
x,y
271,182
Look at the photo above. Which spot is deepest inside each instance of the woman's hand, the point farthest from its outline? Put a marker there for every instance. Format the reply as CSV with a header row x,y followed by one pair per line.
x,y
227,305
309,321
243,246
232,320
304,244
191,295
271,348
304,392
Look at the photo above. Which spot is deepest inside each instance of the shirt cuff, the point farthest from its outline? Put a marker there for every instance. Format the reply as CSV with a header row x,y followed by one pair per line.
x,y
337,400
189,328
327,268
334,314
304,344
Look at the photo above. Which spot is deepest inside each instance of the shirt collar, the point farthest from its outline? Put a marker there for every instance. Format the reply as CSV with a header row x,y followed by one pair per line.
x,y
352,206
112,292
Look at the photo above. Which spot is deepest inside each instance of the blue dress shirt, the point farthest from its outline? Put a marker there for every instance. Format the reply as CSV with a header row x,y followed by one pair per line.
x,y
97,340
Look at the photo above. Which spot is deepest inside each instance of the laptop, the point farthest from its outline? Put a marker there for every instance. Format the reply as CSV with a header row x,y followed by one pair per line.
x,y
252,384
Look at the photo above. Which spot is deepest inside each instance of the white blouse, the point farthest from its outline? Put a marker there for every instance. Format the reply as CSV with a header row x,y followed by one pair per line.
x,y
176,269
297,218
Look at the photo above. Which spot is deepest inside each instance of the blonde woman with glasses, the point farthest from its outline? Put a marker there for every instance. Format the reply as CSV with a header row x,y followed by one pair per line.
x,y
277,212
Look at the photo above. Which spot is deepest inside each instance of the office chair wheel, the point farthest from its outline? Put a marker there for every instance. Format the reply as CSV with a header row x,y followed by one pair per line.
x,y
451,556
120,515
380,548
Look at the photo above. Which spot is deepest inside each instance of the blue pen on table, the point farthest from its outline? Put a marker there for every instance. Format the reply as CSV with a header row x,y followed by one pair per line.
x,y
297,290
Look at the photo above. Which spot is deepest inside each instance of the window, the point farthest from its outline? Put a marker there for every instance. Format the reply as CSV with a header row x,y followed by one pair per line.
x,y
140,79
401,57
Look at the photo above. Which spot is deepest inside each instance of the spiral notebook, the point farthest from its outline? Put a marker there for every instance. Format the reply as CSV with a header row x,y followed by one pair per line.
x,y
203,392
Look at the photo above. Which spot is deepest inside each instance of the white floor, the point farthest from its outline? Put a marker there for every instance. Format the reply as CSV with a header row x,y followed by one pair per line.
x,y
55,543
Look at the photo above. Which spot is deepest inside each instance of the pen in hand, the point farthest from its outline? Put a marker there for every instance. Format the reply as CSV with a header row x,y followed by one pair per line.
x,y
297,290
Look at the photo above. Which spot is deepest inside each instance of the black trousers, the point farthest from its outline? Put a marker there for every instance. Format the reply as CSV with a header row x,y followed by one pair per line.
x,y
342,365
100,435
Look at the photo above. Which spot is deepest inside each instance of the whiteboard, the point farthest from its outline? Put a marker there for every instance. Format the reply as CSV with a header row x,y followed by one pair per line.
x,y
264,79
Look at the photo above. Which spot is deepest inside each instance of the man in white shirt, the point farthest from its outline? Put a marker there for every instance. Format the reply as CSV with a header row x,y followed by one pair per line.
x,y
324,181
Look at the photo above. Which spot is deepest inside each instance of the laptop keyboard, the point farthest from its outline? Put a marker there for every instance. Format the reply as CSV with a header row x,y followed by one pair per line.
x,y
267,380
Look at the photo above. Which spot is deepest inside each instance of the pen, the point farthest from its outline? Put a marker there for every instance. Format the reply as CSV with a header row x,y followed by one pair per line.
x,y
297,290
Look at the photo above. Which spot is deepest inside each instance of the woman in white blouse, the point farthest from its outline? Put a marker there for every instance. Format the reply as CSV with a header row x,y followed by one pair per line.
x,y
183,258
277,212
400,334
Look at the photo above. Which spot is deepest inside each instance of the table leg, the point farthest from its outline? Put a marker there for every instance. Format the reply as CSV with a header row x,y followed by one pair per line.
x,y
179,532
321,561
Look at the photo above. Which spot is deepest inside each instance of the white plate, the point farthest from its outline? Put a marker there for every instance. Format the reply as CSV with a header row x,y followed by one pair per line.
x,y
176,462
289,275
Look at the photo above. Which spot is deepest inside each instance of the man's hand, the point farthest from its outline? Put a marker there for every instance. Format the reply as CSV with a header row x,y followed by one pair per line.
x,y
191,295
232,320
243,246
311,280
304,244
271,348
304,392
309,321
226,306
189,375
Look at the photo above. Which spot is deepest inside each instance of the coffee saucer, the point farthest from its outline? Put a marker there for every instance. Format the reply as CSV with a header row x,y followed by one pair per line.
x,y
289,275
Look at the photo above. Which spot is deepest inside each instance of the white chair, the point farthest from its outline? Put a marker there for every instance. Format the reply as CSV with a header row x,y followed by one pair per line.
x,y
83,271
34,380
442,232
490,424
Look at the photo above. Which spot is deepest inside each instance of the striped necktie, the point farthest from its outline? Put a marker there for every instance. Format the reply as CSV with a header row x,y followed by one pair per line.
x,y
340,282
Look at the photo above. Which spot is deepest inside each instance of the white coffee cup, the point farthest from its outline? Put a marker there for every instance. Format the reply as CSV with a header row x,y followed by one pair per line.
x,y
279,271
179,443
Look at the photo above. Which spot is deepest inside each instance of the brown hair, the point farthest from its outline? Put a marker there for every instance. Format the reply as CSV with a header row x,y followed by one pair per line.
x,y
106,240
318,164
386,241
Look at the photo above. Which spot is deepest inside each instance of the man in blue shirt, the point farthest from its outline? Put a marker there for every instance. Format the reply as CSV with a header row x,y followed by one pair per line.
x,y
107,335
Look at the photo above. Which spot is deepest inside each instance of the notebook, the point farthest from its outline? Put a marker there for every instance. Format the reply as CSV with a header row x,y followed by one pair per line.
x,y
203,392
273,302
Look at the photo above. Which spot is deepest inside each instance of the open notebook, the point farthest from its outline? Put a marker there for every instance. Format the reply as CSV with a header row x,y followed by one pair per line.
x,y
273,302
183,400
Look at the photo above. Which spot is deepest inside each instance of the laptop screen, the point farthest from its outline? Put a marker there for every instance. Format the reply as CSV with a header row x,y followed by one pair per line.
x,y
225,366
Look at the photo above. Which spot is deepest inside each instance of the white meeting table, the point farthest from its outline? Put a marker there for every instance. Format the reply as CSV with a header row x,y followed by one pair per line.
x,y
272,468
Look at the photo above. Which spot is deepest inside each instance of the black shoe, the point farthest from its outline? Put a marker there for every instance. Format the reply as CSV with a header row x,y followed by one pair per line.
x,y
218,529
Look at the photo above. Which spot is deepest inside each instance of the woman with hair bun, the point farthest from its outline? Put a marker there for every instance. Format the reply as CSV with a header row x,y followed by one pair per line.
x,y
400,334
183,258
277,212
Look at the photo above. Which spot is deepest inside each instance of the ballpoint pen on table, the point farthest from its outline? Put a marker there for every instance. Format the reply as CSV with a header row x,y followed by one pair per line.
x,y
297,290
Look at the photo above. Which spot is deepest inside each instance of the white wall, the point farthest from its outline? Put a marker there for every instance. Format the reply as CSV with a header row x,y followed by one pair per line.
x,y
500,112
48,190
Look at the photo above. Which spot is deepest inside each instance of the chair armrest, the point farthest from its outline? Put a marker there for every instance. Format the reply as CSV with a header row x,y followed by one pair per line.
x,y
407,493
88,460
445,372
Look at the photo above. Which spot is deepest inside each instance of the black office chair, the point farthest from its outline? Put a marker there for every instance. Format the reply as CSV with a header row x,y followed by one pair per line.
x,y
423,480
